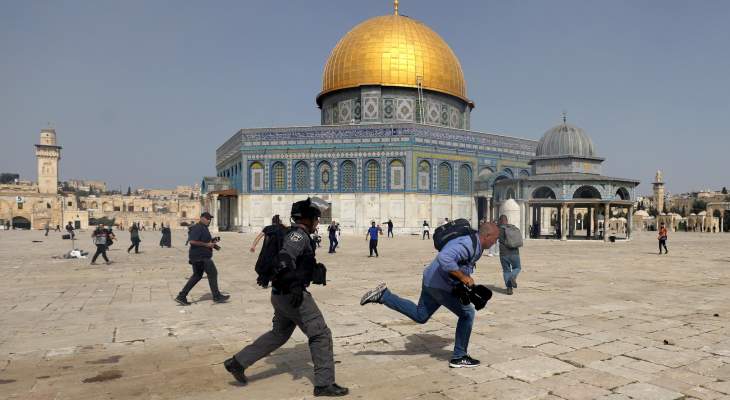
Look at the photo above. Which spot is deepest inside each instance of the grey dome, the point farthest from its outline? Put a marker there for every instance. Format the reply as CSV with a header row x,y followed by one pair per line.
x,y
565,140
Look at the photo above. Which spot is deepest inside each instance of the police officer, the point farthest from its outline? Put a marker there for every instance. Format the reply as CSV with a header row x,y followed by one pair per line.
x,y
294,305
201,258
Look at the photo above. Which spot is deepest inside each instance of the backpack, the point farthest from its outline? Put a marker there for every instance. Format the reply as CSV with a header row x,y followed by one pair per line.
x,y
269,256
452,230
512,236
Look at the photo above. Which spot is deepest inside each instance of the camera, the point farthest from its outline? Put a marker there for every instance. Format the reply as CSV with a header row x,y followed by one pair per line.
x,y
214,241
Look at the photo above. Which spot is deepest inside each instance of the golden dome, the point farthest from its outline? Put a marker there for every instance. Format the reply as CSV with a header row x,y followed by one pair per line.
x,y
393,50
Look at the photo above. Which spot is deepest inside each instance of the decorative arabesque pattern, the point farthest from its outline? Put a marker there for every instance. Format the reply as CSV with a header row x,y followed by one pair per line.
x,y
325,176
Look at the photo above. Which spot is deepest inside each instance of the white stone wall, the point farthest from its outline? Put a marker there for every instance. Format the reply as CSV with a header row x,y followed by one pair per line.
x,y
355,211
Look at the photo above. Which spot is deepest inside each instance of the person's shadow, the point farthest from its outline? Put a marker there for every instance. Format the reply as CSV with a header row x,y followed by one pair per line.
x,y
496,289
298,366
418,343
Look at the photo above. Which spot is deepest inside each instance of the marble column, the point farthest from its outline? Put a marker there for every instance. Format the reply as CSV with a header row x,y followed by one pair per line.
x,y
629,222
606,217
564,222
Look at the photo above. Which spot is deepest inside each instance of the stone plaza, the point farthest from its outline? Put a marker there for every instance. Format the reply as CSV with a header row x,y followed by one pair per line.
x,y
590,320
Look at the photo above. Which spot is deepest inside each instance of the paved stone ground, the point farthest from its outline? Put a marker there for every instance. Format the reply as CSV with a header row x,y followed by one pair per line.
x,y
589,321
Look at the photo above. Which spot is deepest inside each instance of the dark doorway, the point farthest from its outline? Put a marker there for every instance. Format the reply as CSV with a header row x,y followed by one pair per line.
x,y
21,223
482,208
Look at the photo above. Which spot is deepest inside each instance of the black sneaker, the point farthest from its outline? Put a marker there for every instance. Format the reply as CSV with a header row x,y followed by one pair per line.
x,y
333,390
464,362
236,369
509,291
513,283
222,298
182,300
373,296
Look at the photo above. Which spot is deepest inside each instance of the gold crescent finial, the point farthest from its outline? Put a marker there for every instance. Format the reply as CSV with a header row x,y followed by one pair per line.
x,y
395,7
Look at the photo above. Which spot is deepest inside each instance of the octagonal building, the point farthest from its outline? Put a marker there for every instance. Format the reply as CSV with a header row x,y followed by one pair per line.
x,y
395,142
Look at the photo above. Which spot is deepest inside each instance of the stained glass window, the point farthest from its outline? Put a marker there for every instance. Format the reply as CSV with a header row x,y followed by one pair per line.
x,y
301,177
279,176
396,175
444,175
465,179
424,175
348,176
257,176
373,175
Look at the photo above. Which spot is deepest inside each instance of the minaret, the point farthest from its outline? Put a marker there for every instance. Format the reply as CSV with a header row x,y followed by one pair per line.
x,y
48,153
659,192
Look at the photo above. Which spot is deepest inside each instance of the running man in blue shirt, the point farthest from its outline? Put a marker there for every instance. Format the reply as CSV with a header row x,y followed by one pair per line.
x,y
453,265
373,236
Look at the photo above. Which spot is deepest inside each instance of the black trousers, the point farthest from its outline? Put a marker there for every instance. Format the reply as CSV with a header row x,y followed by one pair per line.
x,y
426,233
207,266
100,249
390,232
663,243
333,243
135,246
373,247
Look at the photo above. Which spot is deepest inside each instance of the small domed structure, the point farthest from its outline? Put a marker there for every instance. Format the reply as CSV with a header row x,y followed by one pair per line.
x,y
565,140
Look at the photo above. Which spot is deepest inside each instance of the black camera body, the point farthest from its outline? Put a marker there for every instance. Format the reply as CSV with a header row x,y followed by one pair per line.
x,y
214,241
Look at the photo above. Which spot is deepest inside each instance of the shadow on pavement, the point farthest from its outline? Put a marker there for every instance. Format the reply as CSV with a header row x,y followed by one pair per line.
x,y
418,344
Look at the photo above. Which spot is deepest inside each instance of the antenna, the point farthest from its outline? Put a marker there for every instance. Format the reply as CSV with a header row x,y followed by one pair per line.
x,y
565,116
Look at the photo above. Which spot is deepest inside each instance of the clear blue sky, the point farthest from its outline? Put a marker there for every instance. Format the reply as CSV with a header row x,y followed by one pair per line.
x,y
142,92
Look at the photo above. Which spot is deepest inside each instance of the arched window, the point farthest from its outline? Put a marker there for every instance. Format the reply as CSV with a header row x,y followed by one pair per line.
x,y
543,192
444,176
347,176
623,194
510,194
372,176
397,175
301,177
257,176
587,192
524,173
465,179
278,176
324,177
424,176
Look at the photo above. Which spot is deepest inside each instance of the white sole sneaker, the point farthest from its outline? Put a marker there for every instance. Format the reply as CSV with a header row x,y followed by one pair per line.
x,y
368,296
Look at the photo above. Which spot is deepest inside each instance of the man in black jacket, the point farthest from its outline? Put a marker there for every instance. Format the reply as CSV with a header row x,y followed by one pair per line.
x,y
294,305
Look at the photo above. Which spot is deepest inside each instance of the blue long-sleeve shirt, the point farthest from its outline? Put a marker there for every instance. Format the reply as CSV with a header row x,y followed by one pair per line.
x,y
457,255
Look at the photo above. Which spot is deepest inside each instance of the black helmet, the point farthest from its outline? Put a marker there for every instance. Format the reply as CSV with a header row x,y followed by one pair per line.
x,y
312,207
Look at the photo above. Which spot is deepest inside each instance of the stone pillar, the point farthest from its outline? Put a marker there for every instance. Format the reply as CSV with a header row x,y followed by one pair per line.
x,y
214,211
564,222
606,217
629,222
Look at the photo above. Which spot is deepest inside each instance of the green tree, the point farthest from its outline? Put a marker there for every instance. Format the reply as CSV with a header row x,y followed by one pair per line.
x,y
129,190
724,190
698,206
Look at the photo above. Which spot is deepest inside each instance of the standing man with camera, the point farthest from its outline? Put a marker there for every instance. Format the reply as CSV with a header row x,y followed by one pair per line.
x,y
293,270
440,286
201,258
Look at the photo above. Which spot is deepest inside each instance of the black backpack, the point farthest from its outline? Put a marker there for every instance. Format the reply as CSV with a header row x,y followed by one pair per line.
x,y
450,231
269,256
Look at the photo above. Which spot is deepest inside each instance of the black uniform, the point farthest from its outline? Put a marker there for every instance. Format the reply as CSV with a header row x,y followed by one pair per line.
x,y
101,238
294,306
201,258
